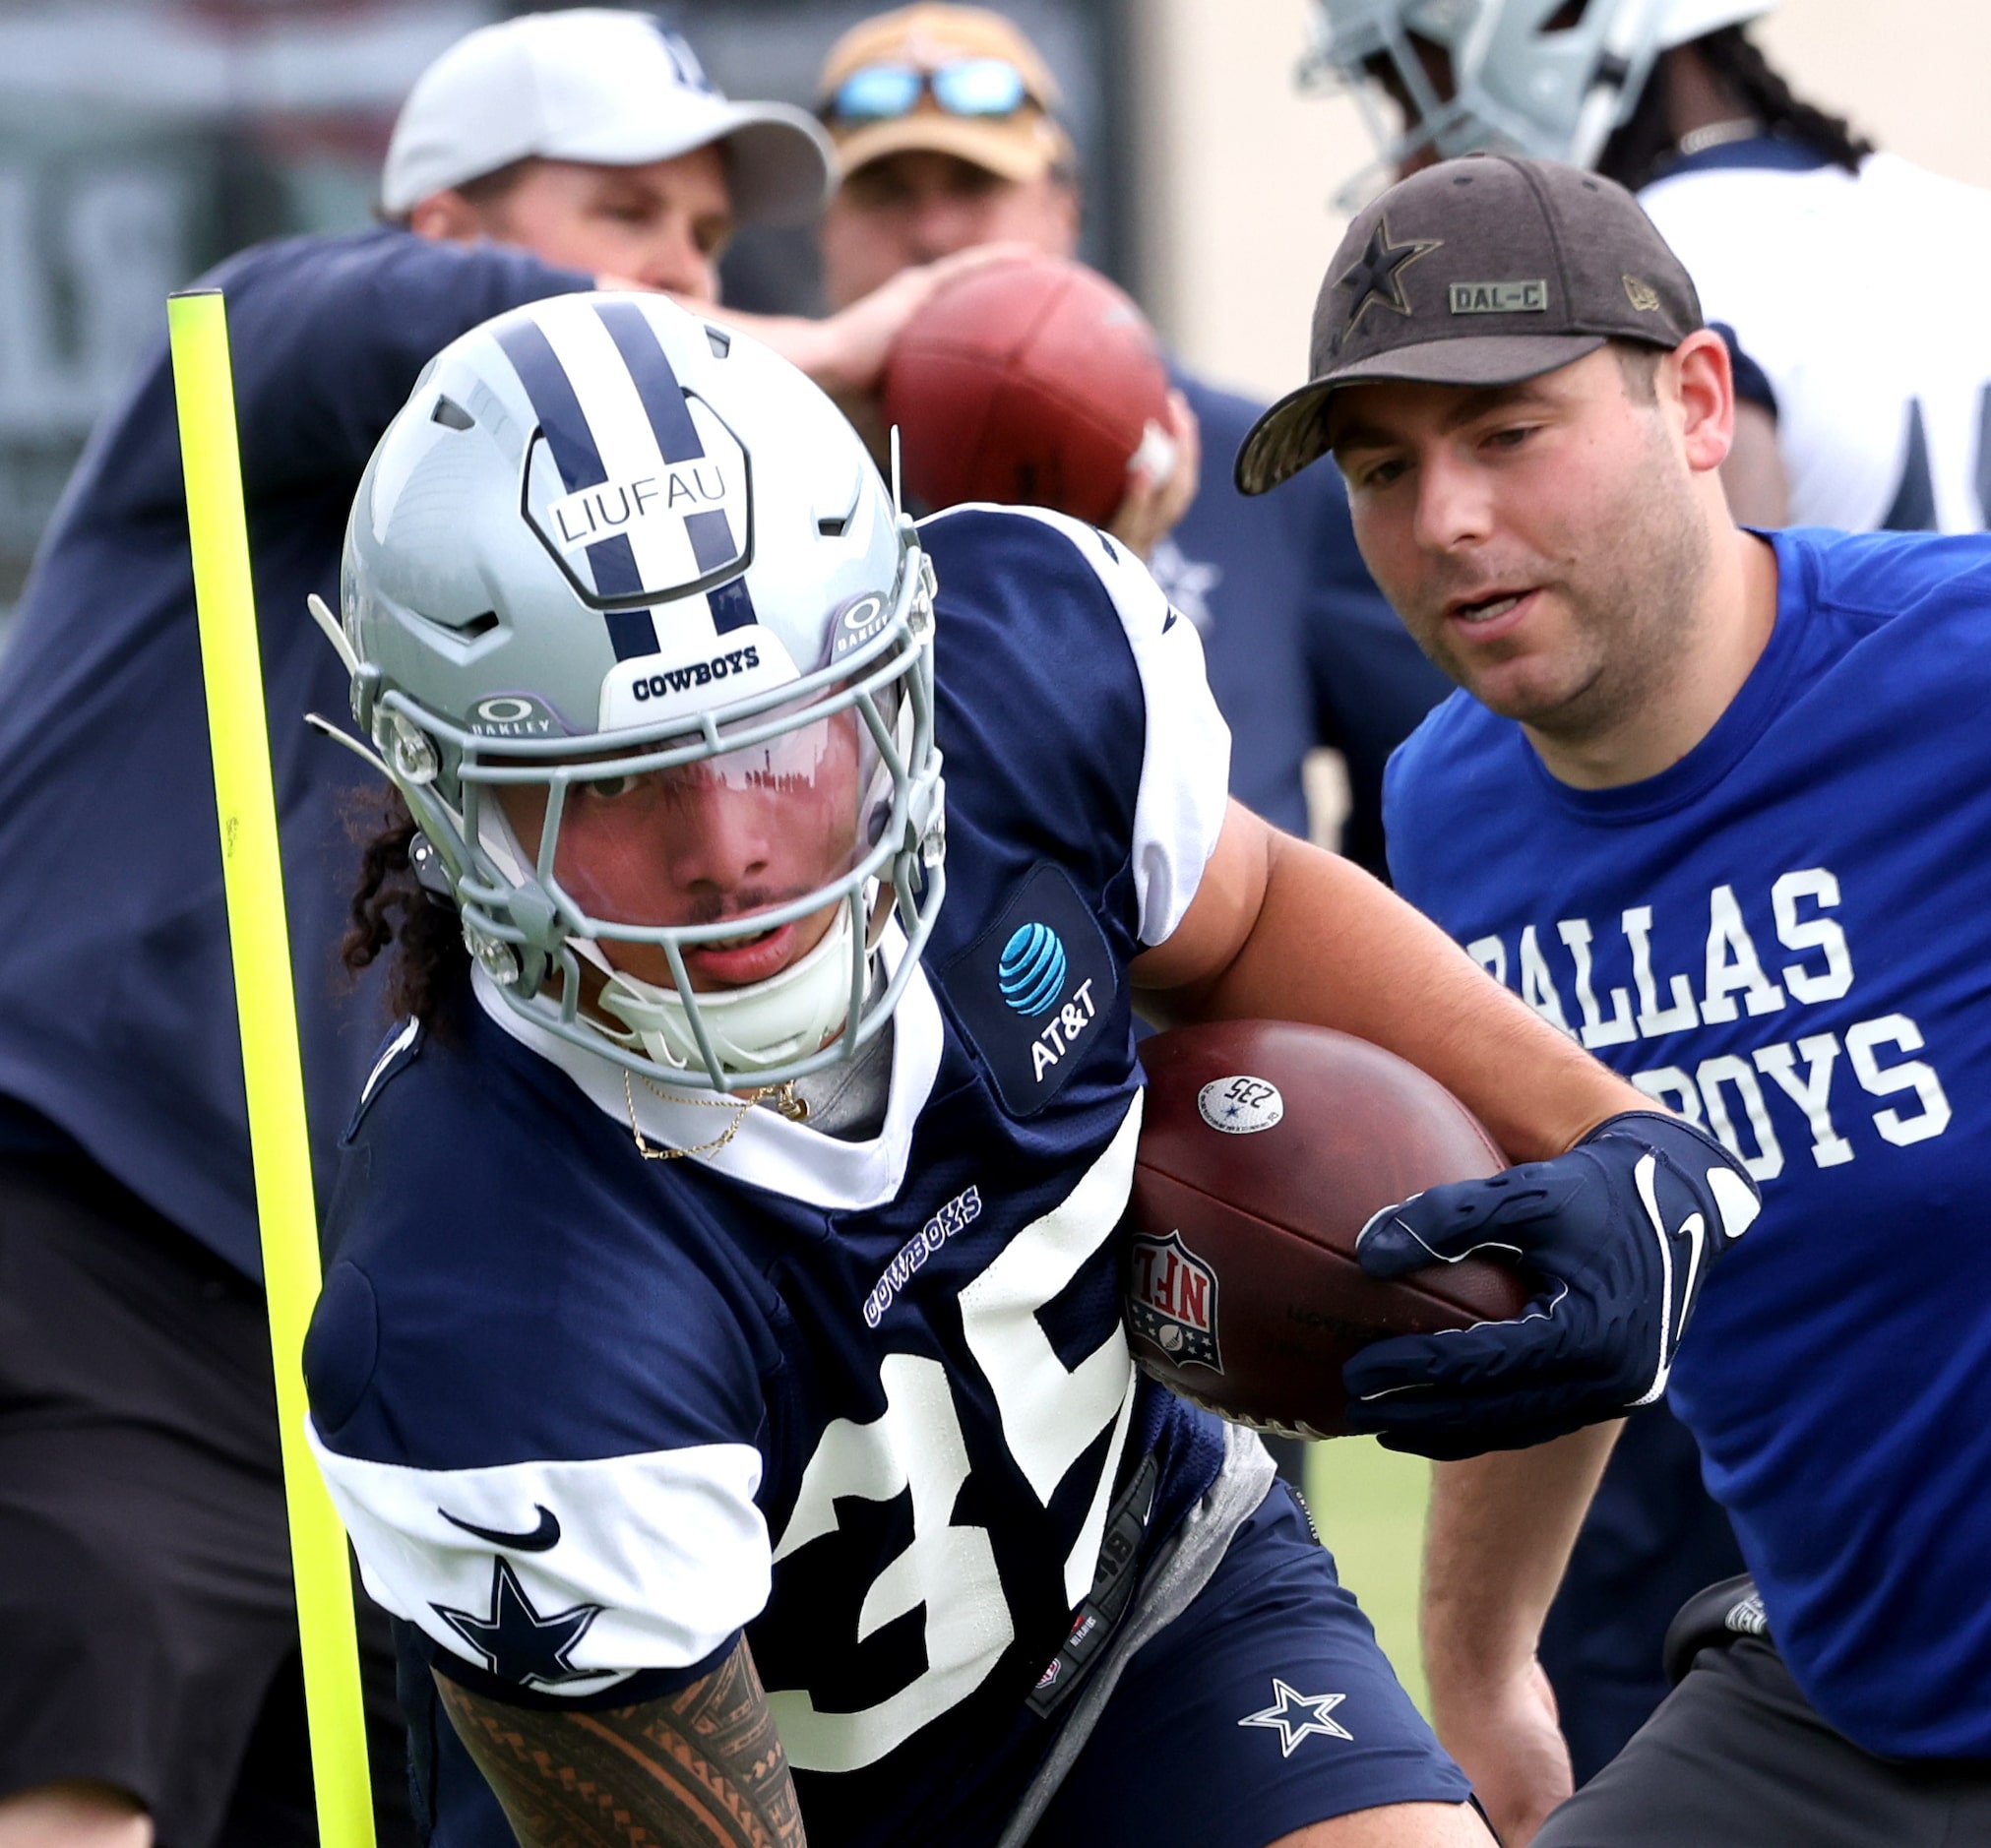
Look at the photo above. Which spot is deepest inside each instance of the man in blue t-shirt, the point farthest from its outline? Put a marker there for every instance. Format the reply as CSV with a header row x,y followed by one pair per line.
x,y
1717,807
146,1598
1773,203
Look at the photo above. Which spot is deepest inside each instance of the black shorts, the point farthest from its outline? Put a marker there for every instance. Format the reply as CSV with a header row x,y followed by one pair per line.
x,y
1736,1758
150,1637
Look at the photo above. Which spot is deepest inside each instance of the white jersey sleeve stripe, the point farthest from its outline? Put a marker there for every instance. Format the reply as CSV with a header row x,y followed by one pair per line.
x,y
652,1561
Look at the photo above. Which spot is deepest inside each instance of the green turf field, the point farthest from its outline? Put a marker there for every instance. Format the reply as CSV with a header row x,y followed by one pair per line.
x,y
1369,1505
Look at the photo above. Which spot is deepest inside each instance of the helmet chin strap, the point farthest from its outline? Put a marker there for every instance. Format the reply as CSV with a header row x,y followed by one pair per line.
x,y
751,1028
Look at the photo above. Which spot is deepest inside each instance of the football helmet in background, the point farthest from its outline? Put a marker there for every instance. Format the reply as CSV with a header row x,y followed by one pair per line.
x,y
607,542
1549,77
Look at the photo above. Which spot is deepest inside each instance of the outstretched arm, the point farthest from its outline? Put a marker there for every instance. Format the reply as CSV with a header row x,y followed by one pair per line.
x,y
1281,930
700,1768
1617,1212
1500,1533
846,353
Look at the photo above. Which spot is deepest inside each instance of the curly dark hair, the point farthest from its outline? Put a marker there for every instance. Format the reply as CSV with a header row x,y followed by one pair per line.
x,y
390,910
1637,153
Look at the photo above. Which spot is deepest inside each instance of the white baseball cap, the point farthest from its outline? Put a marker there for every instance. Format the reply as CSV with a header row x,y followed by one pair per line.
x,y
608,88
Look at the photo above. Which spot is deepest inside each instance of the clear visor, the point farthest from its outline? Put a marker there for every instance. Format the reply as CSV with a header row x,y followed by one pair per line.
x,y
718,840
739,859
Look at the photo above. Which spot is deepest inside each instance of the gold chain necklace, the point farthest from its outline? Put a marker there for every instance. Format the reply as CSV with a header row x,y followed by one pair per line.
x,y
796,1109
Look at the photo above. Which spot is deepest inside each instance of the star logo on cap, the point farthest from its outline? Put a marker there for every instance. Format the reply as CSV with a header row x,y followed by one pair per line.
x,y
1298,1716
1377,275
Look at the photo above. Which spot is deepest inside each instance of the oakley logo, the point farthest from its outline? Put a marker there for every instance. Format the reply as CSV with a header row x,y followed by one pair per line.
x,y
540,1539
510,716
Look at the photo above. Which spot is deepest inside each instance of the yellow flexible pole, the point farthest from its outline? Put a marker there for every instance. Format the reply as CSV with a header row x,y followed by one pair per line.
x,y
259,938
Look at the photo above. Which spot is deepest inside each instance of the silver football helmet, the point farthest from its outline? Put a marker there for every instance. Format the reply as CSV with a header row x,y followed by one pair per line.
x,y
1525,78
611,553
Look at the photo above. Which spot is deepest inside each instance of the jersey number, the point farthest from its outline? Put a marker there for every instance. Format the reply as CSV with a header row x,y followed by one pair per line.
x,y
1050,1415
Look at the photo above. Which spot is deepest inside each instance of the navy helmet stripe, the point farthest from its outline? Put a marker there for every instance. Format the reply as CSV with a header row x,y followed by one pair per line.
x,y
631,632
655,381
614,562
554,403
711,544
731,606
711,539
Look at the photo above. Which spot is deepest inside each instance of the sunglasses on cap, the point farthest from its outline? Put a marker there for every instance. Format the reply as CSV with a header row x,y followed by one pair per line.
x,y
972,87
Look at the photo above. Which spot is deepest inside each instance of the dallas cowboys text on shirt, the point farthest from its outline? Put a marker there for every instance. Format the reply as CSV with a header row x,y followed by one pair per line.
x,y
1773,955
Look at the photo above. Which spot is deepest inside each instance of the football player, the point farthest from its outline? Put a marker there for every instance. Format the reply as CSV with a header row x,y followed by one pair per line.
x,y
720,1367
146,1596
1763,196
1718,807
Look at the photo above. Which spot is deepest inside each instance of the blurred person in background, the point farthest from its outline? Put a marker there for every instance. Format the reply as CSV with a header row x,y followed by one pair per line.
x,y
1786,219
1782,213
150,1689
944,124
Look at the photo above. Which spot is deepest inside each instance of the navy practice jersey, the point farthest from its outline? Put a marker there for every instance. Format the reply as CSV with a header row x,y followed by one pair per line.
x,y
117,1017
1301,647
1785,937
590,1417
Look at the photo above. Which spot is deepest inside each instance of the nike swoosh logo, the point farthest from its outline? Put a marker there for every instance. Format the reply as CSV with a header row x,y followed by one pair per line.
x,y
534,1540
1169,623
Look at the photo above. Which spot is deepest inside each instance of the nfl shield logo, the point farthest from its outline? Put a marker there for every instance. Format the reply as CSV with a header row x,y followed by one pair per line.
x,y
1171,1300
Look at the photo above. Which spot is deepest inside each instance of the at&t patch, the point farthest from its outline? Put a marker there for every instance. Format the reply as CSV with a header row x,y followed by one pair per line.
x,y
1035,991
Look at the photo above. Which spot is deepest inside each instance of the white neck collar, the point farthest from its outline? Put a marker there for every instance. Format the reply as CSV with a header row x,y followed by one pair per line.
x,y
766,1150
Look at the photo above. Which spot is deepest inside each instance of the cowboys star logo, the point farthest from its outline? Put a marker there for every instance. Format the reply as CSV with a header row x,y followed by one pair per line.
x,y
518,1644
1377,275
1297,1716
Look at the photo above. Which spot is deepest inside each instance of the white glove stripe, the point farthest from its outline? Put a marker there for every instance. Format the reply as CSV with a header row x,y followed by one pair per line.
x,y
1649,1166
1737,1200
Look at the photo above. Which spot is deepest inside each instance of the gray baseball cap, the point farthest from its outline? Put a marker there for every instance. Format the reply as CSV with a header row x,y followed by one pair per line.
x,y
1482,271
600,86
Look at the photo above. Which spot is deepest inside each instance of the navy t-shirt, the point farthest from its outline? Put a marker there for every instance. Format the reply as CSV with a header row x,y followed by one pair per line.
x,y
117,1012
1301,647
1783,936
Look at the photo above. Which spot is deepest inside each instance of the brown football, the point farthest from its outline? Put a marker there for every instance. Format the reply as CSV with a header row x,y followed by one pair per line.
x,y
1032,383
1266,1147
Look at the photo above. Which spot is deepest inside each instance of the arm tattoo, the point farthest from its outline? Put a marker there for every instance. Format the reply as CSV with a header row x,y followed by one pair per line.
x,y
700,1768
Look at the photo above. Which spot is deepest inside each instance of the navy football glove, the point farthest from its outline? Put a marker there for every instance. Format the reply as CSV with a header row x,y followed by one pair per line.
x,y
1619,1232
